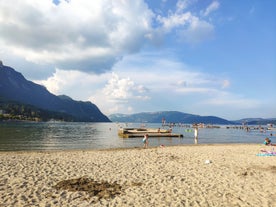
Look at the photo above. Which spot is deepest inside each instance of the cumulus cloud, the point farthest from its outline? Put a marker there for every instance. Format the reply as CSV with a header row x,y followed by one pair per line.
x,y
174,20
91,36
140,88
191,28
79,85
76,34
118,94
122,89
119,89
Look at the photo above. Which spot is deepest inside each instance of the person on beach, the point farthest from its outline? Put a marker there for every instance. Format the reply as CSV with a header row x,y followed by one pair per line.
x,y
267,142
146,140
196,134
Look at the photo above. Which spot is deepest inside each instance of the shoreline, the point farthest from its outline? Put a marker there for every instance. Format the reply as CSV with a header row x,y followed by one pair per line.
x,y
157,176
128,148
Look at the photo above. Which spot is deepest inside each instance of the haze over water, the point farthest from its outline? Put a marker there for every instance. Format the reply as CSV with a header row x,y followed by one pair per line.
x,y
23,136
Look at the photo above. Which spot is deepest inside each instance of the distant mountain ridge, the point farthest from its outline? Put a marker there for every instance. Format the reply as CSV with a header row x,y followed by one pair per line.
x,y
169,116
15,87
256,121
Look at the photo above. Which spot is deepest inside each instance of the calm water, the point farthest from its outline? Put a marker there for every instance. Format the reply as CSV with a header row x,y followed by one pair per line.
x,y
64,136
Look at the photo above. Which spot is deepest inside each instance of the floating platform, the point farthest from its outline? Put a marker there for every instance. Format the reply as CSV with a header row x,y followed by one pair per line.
x,y
140,132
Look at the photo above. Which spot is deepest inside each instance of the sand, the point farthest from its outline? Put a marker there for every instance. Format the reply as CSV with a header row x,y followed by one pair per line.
x,y
201,175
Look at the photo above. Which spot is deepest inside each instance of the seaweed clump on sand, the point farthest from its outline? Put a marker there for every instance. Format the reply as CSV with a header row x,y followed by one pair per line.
x,y
101,189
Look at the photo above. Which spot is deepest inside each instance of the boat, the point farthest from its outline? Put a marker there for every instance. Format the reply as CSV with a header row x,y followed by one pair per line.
x,y
140,132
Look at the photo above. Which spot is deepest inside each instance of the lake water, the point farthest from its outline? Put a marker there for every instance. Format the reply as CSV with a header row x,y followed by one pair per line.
x,y
16,136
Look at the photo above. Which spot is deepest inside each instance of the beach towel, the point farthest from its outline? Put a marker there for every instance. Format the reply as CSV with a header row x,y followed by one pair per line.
x,y
266,153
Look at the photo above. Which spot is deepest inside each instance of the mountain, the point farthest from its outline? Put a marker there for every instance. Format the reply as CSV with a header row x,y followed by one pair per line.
x,y
15,87
256,121
12,110
169,116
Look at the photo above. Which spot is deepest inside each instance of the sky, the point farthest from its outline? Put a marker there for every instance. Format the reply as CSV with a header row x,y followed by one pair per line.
x,y
203,57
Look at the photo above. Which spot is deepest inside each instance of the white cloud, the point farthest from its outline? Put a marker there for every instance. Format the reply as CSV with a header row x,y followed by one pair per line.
x,y
118,89
189,26
181,83
158,73
76,34
174,20
122,89
91,36
150,88
118,94
211,8
105,36
234,101
77,84
198,31
181,5
204,90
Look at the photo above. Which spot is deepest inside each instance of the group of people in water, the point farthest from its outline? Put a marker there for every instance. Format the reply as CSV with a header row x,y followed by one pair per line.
x,y
267,141
146,137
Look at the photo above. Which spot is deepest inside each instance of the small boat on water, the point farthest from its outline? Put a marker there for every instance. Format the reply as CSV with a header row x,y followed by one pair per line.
x,y
140,132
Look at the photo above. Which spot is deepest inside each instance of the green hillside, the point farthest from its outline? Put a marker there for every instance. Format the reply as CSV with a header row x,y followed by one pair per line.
x,y
11,110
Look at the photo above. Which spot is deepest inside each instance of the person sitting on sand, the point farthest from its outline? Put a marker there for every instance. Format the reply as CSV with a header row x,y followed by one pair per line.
x,y
267,142
146,140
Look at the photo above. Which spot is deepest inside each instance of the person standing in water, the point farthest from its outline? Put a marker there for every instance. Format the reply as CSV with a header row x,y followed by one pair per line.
x,y
146,140
196,134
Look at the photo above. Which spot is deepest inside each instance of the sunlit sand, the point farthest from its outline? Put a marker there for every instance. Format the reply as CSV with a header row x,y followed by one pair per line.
x,y
194,175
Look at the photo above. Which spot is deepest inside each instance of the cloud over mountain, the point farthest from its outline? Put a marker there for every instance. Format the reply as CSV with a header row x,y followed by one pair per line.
x,y
199,56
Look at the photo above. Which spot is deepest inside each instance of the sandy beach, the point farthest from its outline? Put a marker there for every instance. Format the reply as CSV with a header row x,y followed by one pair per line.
x,y
201,175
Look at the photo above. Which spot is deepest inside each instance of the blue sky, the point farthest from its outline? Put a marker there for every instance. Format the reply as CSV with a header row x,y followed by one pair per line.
x,y
205,57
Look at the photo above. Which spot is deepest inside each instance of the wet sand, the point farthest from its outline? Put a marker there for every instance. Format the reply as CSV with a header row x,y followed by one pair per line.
x,y
193,175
